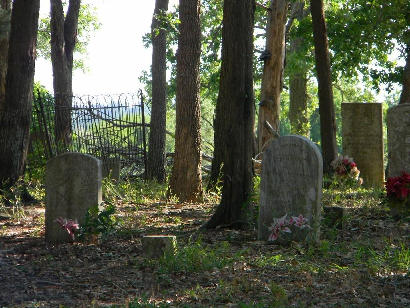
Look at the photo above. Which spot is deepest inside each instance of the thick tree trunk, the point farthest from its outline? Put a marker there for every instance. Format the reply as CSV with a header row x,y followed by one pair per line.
x,y
235,106
15,115
322,64
298,113
405,93
186,181
5,13
63,39
156,149
269,109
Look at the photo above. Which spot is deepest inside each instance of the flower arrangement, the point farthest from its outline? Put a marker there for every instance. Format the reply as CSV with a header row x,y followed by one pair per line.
x,y
346,169
398,191
68,225
97,223
284,225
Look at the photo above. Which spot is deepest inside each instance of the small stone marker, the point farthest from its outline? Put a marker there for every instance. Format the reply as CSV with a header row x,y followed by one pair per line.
x,y
291,183
111,167
154,246
73,185
362,130
398,139
333,216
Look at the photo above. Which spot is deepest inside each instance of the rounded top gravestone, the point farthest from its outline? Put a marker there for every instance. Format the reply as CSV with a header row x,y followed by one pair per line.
x,y
291,184
73,185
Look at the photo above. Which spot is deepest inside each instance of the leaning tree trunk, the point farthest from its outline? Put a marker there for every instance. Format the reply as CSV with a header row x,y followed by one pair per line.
x,y
186,181
63,39
322,64
274,56
15,115
5,12
156,149
298,113
236,111
405,93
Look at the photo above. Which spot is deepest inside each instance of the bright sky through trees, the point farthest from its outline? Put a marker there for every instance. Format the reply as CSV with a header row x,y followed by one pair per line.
x,y
116,55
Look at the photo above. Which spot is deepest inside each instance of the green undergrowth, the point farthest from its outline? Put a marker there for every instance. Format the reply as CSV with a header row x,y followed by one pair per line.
x,y
194,257
136,191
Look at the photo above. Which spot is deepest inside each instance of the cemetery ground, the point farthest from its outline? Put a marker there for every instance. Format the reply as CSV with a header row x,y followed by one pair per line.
x,y
363,261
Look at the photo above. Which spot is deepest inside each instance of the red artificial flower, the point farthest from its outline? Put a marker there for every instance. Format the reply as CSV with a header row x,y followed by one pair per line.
x,y
399,186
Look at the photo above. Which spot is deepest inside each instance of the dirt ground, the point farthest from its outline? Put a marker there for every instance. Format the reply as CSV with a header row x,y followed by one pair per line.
x,y
355,266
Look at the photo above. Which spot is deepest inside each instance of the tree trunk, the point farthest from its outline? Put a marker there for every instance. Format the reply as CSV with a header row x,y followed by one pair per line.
x,y
299,120
63,39
269,107
156,149
186,181
15,116
405,93
235,106
298,113
322,64
5,12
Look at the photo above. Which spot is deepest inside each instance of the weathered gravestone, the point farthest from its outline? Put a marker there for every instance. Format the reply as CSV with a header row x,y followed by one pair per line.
x,y
362,130
111,167
398,139
73,185
291,183
155,246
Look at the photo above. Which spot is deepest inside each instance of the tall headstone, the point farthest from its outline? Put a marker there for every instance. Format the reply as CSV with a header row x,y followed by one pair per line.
x,y
398,139
362,130
291,183
73,185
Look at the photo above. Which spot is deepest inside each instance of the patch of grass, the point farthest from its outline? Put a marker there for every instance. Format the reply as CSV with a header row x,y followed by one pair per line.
x,y
138,191
141,303
194,257
392,258
268,261
280,297
352,196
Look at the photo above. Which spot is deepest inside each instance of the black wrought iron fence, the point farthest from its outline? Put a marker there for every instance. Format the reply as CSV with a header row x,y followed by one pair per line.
x,y
105,126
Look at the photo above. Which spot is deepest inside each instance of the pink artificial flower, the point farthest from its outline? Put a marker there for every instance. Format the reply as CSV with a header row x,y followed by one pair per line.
x,y
69,225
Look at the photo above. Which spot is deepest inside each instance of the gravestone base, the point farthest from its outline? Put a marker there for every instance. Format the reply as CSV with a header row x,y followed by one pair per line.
x,y
333,216
155,246
111,167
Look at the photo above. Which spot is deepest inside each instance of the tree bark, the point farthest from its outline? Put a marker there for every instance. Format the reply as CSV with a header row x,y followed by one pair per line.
x,y
63,39
235,108
15,115
5,13
298,117
322,64
156,148
269,107
186,181
405,93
